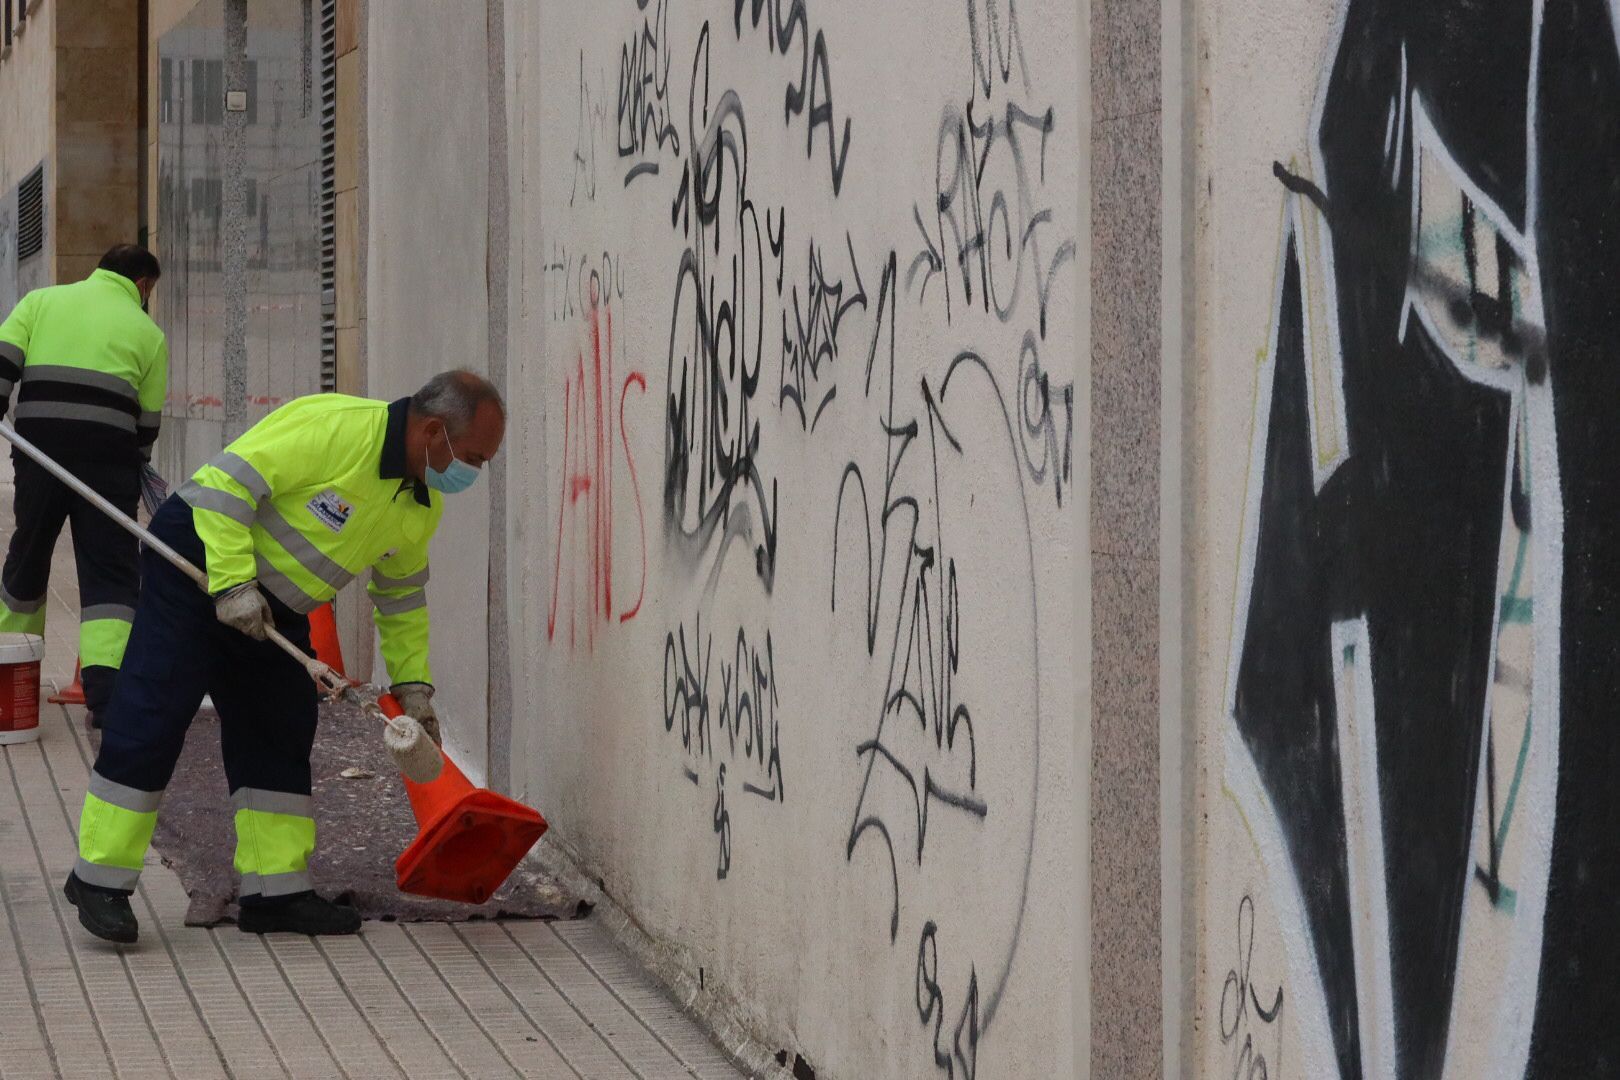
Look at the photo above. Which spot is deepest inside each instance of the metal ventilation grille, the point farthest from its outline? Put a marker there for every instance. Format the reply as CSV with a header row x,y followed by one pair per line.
x,y
31,214
328,195
13,28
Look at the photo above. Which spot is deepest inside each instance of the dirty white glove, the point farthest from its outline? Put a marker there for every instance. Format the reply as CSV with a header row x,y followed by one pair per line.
x,y
244,609
416,698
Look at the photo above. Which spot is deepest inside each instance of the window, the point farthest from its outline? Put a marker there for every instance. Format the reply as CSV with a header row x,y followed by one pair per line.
x,y
31,214
15,13
199,91
208,196
216,91
207,91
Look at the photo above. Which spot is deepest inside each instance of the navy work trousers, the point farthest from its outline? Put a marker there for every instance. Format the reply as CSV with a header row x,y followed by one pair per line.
x,y
105,553
178,651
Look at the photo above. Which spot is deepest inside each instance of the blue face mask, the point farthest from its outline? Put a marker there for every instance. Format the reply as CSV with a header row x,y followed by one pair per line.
x,y
457,476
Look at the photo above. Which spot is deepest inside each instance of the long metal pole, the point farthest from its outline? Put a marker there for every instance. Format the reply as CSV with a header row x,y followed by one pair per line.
x,y
328,680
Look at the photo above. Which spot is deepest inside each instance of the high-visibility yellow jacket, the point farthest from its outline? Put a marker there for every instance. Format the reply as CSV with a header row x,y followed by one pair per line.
x,y
94,369
310,497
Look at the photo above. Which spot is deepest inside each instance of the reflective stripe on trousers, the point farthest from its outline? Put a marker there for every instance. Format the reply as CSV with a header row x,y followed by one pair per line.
x,y
104,634
115,829
21,616
275,834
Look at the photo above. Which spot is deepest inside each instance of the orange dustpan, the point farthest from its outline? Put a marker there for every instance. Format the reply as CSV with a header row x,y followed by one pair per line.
x,y
468,840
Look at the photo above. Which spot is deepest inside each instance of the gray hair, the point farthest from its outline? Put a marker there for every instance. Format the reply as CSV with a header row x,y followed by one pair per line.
x,y
454,397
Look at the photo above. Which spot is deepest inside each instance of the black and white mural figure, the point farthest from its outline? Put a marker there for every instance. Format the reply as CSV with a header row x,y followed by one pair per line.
x,y
1423,676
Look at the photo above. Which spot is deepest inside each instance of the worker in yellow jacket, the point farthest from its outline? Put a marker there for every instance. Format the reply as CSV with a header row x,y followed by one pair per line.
x,y
93,371
316,493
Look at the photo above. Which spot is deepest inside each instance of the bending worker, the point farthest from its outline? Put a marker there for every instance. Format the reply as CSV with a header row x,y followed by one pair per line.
x,y
312,495
94,370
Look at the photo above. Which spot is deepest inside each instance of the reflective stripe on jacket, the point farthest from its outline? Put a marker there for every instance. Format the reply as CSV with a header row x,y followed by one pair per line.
x,y
310,497
94,368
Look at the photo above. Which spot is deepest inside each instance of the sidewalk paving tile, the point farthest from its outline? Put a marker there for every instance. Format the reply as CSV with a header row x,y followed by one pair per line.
x,y
428,1000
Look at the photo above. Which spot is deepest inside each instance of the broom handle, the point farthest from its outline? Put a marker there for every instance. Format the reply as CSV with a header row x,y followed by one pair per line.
x,y
330,682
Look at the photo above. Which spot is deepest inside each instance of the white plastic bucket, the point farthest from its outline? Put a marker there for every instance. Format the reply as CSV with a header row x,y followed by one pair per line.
x,y
20,656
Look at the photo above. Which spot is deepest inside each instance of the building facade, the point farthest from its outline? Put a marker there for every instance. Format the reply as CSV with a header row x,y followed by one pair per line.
x,y
70,163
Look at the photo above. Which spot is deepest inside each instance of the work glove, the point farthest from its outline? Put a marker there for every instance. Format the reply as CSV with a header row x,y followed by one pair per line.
x,y
416,698
244,609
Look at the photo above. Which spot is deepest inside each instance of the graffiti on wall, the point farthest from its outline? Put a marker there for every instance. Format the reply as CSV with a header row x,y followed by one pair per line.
x,y
1420,675
715,495
646,117
596,450
1250,1019
991,235
786,29
814,324
953,709
894,405
587,131
733,722
947,701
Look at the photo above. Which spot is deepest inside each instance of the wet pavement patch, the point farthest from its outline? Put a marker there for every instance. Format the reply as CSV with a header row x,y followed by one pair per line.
x,y
363,821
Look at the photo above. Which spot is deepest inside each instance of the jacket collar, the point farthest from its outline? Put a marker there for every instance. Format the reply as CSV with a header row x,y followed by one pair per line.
x,y
119,280
391,466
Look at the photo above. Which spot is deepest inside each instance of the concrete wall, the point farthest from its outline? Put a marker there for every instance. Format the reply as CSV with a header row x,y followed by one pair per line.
x,y
426,296
69,98
27,138
97,139
793,496
1404,588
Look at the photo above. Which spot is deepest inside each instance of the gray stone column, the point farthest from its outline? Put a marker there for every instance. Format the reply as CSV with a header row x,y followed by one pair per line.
x,y
499,728
235,223
1127,1014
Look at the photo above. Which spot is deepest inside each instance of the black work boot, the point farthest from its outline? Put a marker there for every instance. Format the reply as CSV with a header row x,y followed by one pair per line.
x,y
104,912
300,913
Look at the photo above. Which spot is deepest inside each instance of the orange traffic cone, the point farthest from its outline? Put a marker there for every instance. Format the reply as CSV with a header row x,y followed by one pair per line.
x,y
323,636
468,840
73,694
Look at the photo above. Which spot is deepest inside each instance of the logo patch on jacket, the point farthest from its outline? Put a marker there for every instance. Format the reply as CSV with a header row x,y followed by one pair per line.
x,y
330,510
